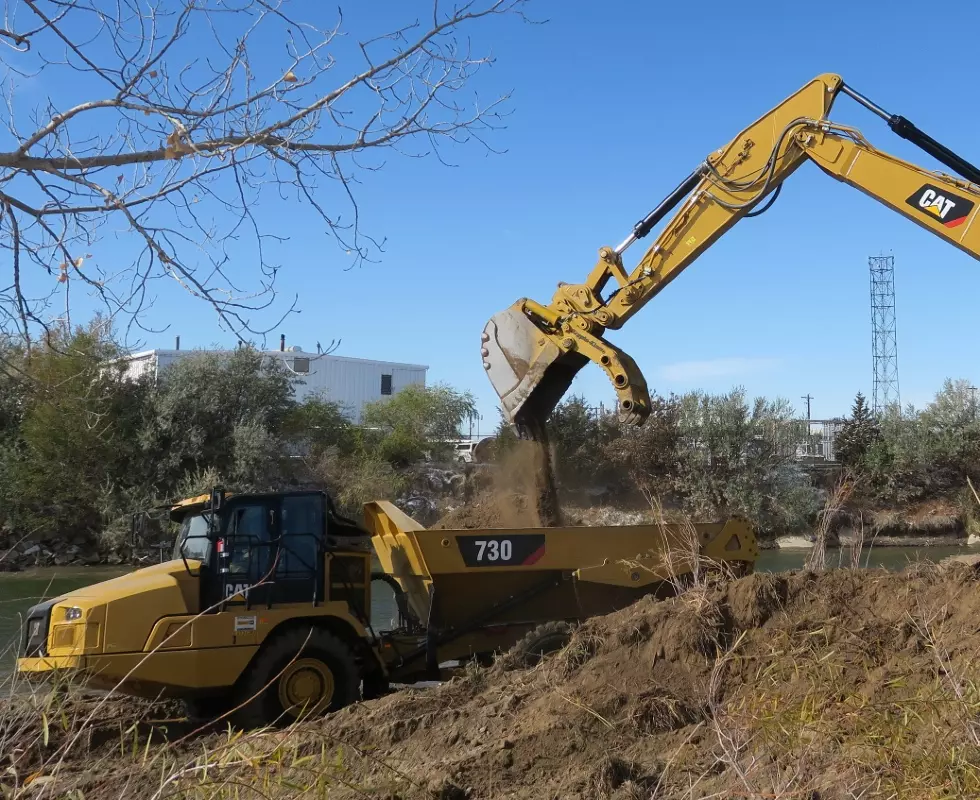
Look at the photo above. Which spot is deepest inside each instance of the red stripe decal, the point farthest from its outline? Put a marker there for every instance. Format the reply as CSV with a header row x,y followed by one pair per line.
x,y
956,222
534,557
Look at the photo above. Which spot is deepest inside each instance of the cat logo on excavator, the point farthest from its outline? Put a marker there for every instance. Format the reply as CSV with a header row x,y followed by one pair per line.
x,y
939,204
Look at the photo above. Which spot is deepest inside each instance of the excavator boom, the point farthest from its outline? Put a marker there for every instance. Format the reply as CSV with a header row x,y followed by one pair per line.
x,y
532,351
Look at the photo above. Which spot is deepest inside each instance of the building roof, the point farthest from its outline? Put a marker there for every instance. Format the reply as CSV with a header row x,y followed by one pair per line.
x,y
284,353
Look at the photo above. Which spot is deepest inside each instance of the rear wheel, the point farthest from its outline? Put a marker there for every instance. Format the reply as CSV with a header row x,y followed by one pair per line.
x,y
542,641
301,673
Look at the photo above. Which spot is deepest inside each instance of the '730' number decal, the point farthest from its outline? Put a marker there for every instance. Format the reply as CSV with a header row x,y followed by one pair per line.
x,y
501,551
494,549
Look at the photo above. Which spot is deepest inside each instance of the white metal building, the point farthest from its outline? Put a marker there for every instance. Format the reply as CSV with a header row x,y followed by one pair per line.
x,y
351,382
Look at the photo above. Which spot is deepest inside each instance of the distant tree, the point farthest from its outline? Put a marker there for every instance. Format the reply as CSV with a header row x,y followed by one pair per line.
x,y
648,453
318,425
501,440
949,433
954,406
580,434
415,422
77,434
857,435
733,458
225,412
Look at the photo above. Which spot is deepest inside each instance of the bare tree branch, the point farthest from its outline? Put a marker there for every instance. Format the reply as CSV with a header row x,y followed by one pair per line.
x,y
160,124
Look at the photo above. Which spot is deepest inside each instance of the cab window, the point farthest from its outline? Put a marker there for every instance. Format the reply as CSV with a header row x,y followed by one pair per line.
x,y
193,541
248,540
302,530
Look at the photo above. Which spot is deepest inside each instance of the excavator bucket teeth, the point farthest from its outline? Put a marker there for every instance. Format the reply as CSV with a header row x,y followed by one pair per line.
x,y
528,370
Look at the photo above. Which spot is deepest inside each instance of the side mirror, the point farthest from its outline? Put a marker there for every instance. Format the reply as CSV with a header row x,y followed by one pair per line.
x,y
215,504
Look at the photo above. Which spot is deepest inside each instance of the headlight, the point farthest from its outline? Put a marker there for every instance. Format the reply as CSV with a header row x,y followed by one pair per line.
x,y
34,629
73,613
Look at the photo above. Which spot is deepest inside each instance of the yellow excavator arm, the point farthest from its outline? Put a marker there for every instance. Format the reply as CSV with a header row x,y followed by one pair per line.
x,y
532,351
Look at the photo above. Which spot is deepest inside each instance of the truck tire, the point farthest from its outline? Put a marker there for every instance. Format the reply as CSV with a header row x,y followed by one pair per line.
x,y
302,672
547,638
202,710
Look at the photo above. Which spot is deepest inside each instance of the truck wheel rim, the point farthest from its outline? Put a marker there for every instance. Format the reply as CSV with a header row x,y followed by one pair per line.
x,y
306,687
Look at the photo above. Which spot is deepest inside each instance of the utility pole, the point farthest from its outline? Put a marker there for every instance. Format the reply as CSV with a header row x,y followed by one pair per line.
x,y
808,397
973,401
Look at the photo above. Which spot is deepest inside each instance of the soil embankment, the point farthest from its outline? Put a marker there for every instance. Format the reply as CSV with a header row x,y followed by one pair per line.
x,y
835,685
842,684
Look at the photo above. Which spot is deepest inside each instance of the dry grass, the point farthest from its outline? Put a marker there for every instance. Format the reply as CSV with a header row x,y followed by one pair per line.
x,y
690,570
857,544
928,520
55,747
817,559
916,741
60,740
818,714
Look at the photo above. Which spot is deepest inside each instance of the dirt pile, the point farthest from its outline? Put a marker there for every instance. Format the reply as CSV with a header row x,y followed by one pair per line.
x,y
843,684
518,493
836,685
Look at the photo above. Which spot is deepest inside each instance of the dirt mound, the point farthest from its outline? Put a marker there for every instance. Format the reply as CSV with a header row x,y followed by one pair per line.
x,y
519,493
836,685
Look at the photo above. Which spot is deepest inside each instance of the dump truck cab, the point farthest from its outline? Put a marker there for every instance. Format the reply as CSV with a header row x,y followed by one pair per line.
x,y
272,549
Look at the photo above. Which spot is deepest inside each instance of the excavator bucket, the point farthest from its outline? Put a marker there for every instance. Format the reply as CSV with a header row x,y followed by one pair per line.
x,y
531,368
527,368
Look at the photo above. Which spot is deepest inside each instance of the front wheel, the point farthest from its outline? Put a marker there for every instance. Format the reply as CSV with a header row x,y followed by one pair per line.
x,y
301,673
203,710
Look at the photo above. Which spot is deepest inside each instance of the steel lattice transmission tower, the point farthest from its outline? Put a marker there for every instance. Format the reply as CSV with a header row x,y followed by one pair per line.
x,y
884,341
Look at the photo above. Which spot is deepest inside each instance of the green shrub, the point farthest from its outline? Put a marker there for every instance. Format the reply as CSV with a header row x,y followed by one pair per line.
x,y
416,422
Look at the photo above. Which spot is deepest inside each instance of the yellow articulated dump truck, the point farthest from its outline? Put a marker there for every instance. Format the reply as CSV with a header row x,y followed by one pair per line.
x,y
264,612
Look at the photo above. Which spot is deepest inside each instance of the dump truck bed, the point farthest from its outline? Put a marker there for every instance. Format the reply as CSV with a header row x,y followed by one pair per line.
x,y
477,587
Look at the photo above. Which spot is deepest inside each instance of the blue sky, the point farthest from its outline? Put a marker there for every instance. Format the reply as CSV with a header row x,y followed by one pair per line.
x,y
613,104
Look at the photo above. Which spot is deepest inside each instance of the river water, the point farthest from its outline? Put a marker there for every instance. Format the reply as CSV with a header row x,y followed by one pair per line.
x,y
20,590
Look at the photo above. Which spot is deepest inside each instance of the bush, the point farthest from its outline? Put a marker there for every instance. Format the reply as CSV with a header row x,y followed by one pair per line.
x,y
711,455
318,425
919,455
353,481
221,412
648,455
415,423
580,435
77,437
734,458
